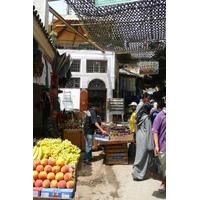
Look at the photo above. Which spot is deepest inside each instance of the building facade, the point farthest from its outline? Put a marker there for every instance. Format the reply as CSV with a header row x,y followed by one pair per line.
x,y
96,73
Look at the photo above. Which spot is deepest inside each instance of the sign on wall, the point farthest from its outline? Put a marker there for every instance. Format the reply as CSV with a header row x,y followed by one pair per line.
x,y
83,100
112,2
149,67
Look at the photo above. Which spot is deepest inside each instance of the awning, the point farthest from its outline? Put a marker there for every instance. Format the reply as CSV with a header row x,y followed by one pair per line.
x,y
130,72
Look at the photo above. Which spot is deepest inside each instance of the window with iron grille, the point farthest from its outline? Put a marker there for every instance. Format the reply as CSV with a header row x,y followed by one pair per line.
x,y
96,66
75,66
73,83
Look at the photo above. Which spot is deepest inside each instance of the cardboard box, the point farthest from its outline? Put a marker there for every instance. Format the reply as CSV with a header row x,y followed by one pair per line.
x,y
122,138
74,136
56,192
37,191
101,137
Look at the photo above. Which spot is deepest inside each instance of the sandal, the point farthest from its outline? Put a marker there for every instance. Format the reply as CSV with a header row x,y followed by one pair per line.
x,y
162,189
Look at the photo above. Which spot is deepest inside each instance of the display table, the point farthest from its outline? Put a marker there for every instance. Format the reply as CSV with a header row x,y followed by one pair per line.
x,y
116,151
76,136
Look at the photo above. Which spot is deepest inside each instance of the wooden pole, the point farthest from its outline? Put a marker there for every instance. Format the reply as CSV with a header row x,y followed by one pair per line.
x,y
68,25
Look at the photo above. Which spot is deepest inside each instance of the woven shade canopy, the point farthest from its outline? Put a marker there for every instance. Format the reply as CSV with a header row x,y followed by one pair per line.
x,y
137,28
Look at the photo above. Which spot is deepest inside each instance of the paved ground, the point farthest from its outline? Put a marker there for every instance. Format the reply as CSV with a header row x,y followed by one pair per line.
x,y
100,182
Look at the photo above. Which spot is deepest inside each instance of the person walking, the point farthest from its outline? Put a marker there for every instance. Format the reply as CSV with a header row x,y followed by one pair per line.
x,y
160,105
132,125
145,98
91,123
132,118
159,136
145,143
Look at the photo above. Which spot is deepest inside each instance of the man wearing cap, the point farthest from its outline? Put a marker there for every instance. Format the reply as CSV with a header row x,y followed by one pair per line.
x,y
132,119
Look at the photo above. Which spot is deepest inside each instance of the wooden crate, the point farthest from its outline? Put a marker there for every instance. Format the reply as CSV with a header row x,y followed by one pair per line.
x,y
115,146
122,138
74,136
116,154
83,143
117,161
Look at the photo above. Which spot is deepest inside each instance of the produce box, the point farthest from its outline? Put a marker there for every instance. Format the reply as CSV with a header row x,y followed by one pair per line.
x,y
37,191
101,137
122,138
74,136
56,192
115,159
116,154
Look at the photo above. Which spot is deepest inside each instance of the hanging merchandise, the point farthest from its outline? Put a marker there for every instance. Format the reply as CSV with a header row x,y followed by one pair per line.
x,y
128,95
130,82
121,83
127,84
47,75
124,83
50,71
40,105
41,80
37,62
52,74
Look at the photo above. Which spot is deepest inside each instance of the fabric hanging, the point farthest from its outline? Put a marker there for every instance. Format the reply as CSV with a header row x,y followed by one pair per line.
x,y
121,83
47,76
41,80
127,84
131,84
128,95
52,74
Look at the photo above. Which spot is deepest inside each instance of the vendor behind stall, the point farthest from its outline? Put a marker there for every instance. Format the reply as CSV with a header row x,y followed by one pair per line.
x,y
50,125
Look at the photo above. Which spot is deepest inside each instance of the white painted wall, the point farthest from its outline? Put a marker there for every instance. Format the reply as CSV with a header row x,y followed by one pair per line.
x,y
85,78
75,98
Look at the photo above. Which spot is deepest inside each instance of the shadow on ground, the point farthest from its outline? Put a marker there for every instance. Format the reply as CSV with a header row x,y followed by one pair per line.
x,y
158,195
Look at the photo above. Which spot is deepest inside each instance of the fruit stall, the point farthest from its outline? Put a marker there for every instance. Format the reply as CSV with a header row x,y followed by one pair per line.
x,y
115,143
71,124
54,168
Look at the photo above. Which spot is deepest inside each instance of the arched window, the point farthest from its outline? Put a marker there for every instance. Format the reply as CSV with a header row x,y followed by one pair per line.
x,y
96,84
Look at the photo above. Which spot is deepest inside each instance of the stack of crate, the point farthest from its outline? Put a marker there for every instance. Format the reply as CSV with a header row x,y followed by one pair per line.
x,y
116,154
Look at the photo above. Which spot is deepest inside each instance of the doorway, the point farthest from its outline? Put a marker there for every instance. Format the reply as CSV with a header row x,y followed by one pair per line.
x,y
97,92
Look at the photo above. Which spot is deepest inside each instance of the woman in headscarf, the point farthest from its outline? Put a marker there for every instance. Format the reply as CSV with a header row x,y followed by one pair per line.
x,y
144,141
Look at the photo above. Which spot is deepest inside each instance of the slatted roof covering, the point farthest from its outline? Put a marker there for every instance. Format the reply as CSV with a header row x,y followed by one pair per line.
x,y
138,28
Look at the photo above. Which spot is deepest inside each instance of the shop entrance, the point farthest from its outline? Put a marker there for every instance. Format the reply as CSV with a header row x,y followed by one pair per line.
x,y
97,93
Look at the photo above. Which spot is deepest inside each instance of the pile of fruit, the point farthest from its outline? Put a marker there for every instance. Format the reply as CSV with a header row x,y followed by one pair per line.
x,y
114,130
57,149
51,173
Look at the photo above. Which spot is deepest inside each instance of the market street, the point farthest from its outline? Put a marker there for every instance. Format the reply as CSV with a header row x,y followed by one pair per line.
x,y
100,181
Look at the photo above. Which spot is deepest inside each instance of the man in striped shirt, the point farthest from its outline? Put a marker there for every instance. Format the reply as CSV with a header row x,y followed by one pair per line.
x,y
50,126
